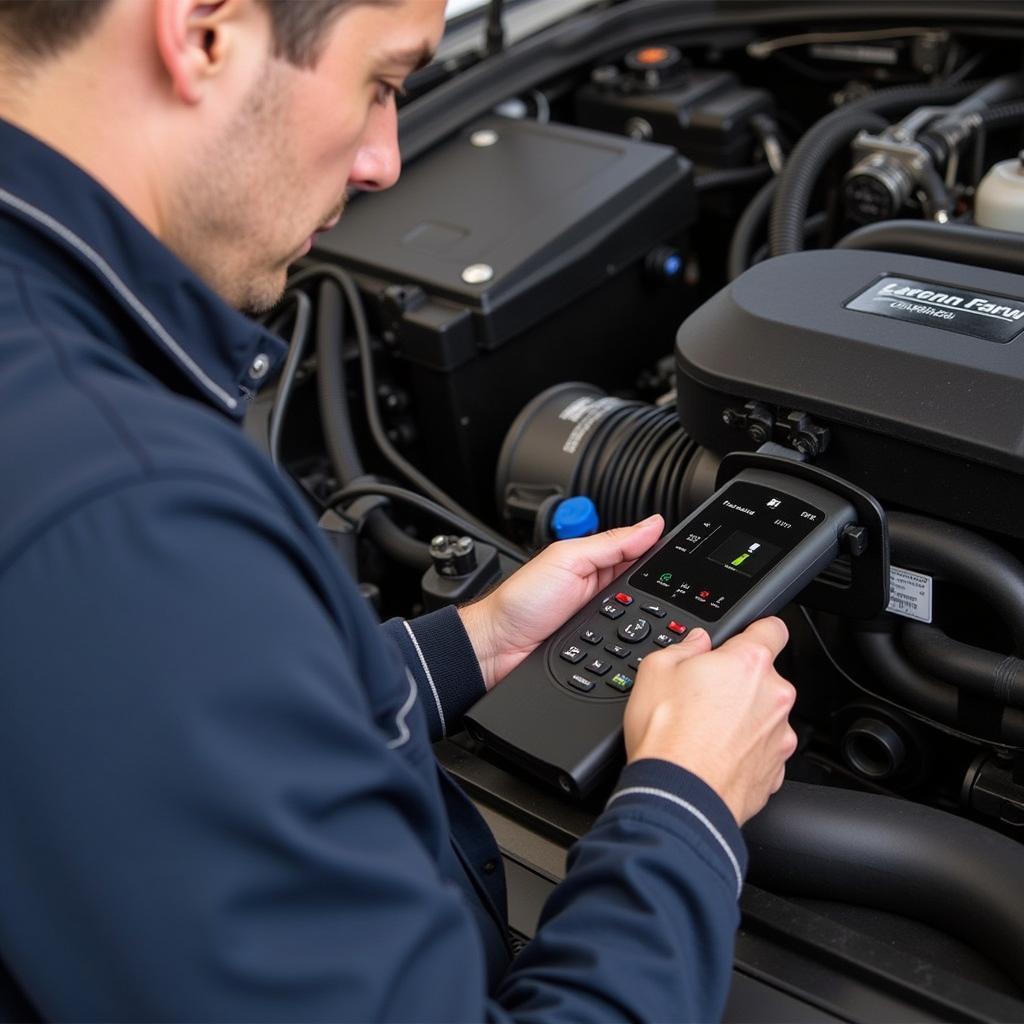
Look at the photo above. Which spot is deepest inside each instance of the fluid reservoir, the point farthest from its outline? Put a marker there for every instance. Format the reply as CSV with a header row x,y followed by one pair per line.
x,y
999,202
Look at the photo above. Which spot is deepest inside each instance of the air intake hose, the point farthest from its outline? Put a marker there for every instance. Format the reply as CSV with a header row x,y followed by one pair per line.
x,y
897,856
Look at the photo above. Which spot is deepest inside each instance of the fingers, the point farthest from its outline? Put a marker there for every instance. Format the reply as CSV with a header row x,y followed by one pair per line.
x,y
697,642
585,555
770,633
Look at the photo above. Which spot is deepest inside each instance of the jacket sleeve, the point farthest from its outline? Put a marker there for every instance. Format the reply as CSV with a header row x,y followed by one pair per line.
x,y
437,650
643,926
208,818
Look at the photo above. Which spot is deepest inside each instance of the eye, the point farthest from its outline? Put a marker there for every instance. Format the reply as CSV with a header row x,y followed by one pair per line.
x,y
386,91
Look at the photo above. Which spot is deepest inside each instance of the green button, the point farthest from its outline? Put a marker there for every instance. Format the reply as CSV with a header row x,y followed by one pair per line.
x,y
621,682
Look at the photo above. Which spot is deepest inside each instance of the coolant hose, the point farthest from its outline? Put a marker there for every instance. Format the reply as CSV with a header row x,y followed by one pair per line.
x,y
750,221
823,139
963,558
961,243
933,698
998,677
337,426
894,855
950,129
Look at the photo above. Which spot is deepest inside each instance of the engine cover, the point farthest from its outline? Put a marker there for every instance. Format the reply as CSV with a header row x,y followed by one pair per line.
x,y
915,367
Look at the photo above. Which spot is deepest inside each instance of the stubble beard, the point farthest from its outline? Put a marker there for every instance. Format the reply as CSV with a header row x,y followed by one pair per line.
x,y
221,221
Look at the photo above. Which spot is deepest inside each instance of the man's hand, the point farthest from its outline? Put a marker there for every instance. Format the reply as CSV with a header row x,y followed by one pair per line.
x,y
721,714
544,594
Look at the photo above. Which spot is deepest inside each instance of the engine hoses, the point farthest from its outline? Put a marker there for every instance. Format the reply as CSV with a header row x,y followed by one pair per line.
x,y
953,683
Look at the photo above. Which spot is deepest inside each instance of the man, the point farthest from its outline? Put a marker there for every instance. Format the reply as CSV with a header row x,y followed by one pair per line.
x,y
219,800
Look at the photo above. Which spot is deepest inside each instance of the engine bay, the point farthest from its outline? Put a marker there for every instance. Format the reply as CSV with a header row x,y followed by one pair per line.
x,y
649,237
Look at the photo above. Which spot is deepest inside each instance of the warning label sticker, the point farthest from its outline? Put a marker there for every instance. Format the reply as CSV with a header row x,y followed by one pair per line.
x,y
586,413
910,594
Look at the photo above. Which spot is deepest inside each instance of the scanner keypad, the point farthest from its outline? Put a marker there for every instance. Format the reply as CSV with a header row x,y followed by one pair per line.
x,y
615,664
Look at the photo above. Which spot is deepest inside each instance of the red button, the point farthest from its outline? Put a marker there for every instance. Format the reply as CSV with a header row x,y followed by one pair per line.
x,y
623,599
676,627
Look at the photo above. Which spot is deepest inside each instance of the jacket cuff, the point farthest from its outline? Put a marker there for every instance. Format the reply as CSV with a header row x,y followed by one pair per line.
x,y
438,652
662,792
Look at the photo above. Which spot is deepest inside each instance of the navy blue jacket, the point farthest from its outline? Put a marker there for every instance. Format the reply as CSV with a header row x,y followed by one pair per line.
x,y
218,797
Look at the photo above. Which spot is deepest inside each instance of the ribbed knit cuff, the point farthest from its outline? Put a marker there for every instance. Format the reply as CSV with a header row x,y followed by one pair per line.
x,y
438,651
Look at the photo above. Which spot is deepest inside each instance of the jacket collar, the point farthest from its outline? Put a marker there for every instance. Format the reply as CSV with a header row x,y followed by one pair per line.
x,y
224,354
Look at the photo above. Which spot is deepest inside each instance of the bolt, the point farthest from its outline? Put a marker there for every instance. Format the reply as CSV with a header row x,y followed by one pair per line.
x,y
260,366
478,273
639,128
483,138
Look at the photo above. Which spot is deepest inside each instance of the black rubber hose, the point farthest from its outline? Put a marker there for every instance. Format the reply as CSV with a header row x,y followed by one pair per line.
x,y
910,688
904,858
998,677
283,394
999,90
942,141
330,382
960,243
796,183
813,227
1001,116
398,461
339,439
370,488
966,559
751,219
978,565
956,125
819,143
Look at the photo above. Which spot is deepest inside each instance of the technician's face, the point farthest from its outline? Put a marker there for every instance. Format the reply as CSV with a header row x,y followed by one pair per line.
x,y
301,137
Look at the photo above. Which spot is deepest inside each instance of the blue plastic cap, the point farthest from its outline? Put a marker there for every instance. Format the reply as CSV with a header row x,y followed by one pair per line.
x,y
574,517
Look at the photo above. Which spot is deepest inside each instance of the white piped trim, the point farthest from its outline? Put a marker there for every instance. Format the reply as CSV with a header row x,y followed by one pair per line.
x,y
176,350
698,814
403,714
430,678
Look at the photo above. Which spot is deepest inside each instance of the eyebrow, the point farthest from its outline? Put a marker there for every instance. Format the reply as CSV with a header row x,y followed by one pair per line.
x,y
415,57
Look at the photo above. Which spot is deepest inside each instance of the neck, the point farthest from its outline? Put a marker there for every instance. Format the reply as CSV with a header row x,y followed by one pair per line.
x,y
72,108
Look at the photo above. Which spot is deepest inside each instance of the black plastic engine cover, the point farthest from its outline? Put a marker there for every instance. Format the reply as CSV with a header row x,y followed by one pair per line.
x,y
914,366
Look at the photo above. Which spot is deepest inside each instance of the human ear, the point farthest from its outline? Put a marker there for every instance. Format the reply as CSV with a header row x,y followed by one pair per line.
x,y
193,40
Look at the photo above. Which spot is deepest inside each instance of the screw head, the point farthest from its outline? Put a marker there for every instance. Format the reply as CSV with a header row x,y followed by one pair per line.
x,y
478,273
260,366
639,128
483,138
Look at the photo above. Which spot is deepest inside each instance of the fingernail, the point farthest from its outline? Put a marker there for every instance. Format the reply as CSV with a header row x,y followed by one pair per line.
x,y
696,634
649,519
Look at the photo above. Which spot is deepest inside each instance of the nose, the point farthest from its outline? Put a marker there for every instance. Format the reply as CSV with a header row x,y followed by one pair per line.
x,y
378,162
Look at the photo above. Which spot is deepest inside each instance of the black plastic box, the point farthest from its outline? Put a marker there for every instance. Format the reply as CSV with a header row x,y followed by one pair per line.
x,y
572,226
706,116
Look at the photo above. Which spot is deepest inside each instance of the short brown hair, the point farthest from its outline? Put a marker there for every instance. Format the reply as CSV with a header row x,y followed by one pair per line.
x,y
42,28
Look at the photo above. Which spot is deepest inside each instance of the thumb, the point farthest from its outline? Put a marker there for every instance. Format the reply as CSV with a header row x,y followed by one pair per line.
x,y
611,548
696,642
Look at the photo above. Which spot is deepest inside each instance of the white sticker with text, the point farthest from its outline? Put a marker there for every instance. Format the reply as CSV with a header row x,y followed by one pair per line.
x,y
910,594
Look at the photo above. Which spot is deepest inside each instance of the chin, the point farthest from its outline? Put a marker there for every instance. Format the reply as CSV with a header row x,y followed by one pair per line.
x,y
258,296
